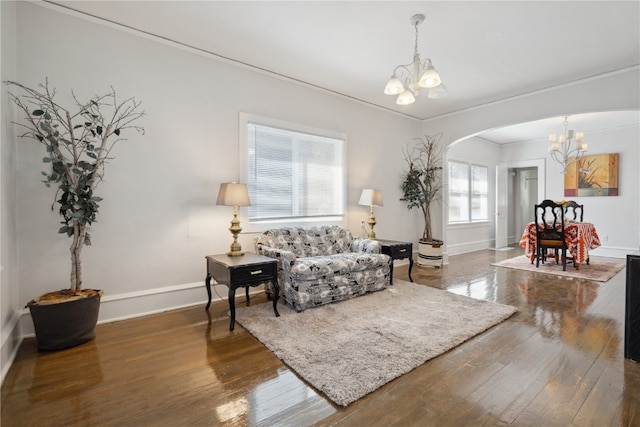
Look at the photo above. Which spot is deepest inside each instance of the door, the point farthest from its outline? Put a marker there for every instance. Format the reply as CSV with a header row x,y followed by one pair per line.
x,y
502,200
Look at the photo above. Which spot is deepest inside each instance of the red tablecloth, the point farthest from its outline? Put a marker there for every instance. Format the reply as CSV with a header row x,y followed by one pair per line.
x,y
579,236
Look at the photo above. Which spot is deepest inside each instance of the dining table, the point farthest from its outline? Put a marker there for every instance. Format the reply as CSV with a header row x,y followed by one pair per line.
x,y
580,238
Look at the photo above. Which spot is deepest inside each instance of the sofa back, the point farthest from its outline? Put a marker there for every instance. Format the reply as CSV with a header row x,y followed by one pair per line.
x,y
308,241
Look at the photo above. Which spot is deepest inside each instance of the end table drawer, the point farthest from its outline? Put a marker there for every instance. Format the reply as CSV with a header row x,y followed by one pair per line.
x,y
257,273
400,251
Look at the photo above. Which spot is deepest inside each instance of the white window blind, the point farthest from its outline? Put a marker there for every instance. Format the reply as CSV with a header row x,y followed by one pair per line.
x,y
468,192
293,174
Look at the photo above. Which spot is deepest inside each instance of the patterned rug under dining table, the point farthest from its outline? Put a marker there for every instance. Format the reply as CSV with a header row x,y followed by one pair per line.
x,y
579,236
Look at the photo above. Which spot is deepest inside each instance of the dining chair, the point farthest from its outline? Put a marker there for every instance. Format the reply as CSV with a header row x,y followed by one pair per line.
x,y
549,218
572,207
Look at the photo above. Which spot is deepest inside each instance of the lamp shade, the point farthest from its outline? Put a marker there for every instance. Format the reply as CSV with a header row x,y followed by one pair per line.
x,y
371,197
405,98
437,92
233,194
394,86
430,78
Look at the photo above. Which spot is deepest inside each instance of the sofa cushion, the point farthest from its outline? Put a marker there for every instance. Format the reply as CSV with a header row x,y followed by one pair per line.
x,y
311,268
309,241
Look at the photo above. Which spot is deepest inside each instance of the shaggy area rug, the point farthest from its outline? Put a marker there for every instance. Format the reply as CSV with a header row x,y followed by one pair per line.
x,y
599,269
350,348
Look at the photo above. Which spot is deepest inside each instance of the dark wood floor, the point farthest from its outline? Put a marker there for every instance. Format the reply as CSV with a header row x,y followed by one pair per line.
x,y
557,362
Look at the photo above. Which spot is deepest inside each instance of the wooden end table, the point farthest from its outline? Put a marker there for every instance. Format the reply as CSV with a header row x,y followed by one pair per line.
x,y
397,250
242,271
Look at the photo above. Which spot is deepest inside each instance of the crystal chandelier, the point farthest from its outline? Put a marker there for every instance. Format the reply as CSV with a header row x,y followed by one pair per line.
x,y
564,149
409,79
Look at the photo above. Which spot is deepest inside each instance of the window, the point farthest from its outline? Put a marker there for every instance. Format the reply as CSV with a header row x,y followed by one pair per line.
x,y
293,172
468,192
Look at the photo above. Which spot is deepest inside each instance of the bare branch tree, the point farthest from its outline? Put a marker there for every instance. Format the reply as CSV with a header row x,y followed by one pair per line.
x,y
77,147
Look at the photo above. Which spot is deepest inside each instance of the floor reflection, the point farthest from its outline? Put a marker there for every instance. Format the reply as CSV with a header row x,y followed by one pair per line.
x,y
559,310
68,388
86,373
251,392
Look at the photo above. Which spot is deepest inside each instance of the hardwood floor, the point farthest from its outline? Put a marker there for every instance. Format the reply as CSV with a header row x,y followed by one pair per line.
x,y
557,362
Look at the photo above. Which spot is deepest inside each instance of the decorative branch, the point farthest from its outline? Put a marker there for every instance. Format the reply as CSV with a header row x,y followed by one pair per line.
x,y
77,146
421,183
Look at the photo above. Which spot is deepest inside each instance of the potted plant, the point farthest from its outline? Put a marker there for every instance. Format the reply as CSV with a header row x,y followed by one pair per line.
x,y
422,186
77,143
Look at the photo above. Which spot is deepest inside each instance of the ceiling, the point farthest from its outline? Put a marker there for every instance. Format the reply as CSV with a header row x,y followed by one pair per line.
x,y
485,51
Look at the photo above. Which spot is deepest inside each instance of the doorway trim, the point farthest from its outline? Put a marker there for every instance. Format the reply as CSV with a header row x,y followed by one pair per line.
x,y
539,164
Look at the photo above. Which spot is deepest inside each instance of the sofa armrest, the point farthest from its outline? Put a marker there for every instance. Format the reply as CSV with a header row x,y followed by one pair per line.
x,y
287,257
370,246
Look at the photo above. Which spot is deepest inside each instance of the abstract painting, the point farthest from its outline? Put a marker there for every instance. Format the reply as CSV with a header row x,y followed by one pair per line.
x,y
592,176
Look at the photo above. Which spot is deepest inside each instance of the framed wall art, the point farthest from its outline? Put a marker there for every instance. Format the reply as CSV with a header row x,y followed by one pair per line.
x,y
595,175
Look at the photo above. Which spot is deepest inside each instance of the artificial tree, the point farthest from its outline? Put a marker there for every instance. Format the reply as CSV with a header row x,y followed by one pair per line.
x,y
422,180
78,143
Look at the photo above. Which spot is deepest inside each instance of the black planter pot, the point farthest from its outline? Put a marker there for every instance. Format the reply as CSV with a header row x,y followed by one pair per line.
x,y
67,324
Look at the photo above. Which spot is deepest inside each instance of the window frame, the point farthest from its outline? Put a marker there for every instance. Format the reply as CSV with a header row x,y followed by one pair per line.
x,y
254,224
469,193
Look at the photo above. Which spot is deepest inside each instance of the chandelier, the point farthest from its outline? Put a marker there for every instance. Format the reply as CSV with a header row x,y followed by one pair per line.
x,y
409,79
564,149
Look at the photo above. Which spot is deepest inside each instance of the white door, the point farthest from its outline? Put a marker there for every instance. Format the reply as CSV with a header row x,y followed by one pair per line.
x,y
502,205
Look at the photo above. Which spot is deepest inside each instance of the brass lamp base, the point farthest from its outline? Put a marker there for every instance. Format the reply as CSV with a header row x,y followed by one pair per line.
x,y
372,223
235,249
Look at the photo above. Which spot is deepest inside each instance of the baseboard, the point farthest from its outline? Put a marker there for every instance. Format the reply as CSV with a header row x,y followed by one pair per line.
x,y
612,252
11,340
118,307
143,303
463,248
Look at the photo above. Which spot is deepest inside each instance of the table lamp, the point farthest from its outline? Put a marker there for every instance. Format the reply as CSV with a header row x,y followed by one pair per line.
x,y
234,194
371,197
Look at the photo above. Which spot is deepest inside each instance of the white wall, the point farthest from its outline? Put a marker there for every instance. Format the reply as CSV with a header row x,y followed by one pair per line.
x,y
158,219
10,333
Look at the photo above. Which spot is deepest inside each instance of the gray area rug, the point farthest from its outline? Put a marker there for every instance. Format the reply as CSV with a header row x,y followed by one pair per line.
x,y
351,348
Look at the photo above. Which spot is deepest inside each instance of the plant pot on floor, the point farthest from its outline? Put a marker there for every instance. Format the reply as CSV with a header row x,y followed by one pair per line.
x,y
430,253
65,324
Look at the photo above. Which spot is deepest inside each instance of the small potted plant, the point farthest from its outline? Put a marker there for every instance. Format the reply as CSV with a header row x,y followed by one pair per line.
x,y
421,187
77,145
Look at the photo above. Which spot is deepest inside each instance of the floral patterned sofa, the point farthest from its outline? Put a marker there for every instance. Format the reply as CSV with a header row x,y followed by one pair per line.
x,y
323,264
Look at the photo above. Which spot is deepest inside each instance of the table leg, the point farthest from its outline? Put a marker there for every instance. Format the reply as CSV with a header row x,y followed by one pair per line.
x,y
207,283
391,272
410,267
232,306
276,290
247,294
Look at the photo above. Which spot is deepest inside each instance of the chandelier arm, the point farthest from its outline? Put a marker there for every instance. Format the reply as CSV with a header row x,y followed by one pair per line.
x,y
418,74
567,153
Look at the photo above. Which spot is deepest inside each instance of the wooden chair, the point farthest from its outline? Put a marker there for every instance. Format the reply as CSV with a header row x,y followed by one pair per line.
x,y
549,218
573,209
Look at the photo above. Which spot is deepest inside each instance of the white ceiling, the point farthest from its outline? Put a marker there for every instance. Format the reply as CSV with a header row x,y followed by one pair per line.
x,y
485,51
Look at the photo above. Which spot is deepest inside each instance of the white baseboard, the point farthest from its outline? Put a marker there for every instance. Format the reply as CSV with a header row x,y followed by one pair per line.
x,y
142,303
611,252
11,340
463,248
118,307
